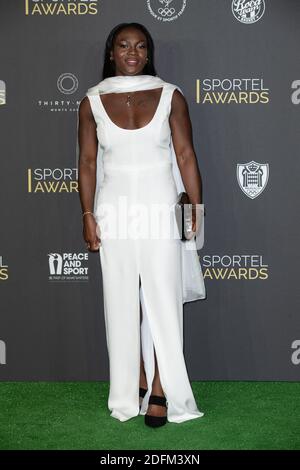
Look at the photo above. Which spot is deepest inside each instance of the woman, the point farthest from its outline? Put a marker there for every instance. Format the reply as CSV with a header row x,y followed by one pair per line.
x,y
125,166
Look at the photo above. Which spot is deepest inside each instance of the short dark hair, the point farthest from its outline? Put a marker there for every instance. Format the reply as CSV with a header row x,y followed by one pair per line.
x,y
109,65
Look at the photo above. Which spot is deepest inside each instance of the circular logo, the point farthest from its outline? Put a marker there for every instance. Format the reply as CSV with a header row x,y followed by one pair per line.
x,y
248,11
67,83
166,10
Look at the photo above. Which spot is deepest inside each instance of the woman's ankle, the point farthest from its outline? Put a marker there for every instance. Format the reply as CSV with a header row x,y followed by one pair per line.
x,y
157,389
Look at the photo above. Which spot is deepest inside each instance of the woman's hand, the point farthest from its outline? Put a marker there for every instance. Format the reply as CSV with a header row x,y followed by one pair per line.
x,y
90,229
196,220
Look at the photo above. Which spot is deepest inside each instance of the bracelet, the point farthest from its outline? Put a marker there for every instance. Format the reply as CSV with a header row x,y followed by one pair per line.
x,y
87,212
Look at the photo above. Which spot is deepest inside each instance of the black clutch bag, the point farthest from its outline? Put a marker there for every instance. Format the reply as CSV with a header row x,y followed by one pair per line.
x,y
183,214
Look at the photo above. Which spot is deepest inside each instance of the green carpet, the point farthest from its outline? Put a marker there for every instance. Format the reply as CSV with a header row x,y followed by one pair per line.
x,y
74,415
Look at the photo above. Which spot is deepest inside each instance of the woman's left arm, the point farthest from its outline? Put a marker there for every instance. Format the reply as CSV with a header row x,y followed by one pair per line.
x,y
182,136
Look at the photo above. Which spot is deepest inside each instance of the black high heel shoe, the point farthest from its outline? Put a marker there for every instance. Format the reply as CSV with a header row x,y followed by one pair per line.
x,y
156,421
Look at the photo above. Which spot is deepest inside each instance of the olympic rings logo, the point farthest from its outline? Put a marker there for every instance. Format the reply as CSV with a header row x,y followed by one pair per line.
x,y
166,11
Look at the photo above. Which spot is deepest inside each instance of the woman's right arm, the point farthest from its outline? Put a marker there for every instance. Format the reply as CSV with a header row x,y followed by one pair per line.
x,y
88,146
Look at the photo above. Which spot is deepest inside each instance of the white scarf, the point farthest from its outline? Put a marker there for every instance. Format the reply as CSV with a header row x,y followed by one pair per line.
x,y
126,83
193,282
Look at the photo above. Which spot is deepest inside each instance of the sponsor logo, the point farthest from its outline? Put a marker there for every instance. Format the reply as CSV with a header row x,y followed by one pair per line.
x,y
252,177
68,267
295,358
231,91
166,10
3,270
62,100
61,7
48,180
2,93
248,11
64,81
235,267
295,97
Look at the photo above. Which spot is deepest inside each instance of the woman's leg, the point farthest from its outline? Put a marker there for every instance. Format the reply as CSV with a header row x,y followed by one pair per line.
x,y
161,296
143,379
154,410
121,314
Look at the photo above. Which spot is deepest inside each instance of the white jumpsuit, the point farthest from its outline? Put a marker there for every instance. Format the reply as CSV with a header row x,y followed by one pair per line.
x,y
137,169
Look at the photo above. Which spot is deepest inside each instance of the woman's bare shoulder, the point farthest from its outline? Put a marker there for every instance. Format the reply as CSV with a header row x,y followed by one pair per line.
x,y
178,102
85,109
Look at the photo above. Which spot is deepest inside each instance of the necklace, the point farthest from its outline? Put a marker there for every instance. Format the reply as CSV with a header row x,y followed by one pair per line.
x,y
128,101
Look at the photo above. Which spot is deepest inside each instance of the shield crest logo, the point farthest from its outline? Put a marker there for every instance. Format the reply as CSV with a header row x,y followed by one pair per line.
x,y
252,177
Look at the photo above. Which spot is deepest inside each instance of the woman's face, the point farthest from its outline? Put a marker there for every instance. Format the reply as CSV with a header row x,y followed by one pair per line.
x,y
130,52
